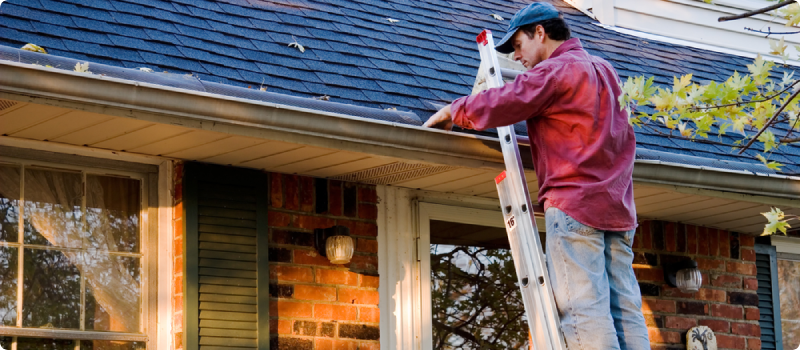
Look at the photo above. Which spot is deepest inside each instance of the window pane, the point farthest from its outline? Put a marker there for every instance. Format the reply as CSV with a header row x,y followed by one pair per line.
x,y
475,299
789,282
52,290
8,285
113,205
5,342
45,344
110,345
9,203
112,301
53,208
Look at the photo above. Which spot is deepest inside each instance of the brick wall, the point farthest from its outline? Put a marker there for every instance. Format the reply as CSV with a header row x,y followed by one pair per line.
x,y
177,264
314,304
726,303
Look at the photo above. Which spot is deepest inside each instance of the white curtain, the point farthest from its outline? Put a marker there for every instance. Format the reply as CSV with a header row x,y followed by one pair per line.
x,y
53,202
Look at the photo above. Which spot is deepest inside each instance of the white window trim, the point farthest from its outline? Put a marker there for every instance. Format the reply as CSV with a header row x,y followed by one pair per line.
x,y
161,303
788,245
403,232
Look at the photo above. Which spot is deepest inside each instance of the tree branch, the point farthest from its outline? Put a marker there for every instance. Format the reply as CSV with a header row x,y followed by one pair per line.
x,y
755,12
457,331
768,123
751,101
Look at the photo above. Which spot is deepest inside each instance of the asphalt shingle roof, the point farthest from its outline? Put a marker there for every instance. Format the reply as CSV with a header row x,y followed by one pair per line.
x,y
353,53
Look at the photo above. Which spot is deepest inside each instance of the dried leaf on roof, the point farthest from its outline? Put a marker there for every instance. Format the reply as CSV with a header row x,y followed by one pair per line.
x,y
33,48
497,17
297,45
392,20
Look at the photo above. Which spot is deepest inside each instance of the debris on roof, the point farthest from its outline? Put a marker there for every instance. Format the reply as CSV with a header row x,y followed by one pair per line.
x,y
34,48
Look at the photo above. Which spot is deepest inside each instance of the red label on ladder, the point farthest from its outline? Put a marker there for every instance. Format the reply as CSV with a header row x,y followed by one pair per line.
x,y
481,39
500,177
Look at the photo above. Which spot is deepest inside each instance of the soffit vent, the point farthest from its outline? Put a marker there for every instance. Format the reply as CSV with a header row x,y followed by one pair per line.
x,y
6,104
393,173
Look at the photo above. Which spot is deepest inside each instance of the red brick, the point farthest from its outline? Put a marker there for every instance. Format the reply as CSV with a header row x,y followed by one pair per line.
x,y
367,245
713,242
748,329
337,344
752,314
711,295
177,247
748,254
691,239
658,335
750,283
753,344
367,194
280,326
725,341
292,196
369,346
275,190
647,235
338,277
369,314
178,340
710,264
672,292
702,240
367,211
358,296
364,262
290,273
311,257
747,240
360,228
306,194
335,312
657,305
718,326
741,268
335,197
279,219
312,222
370,281
682,323
177,265
306,292
727,281
670,237
283,308
649,274
724,243
727,311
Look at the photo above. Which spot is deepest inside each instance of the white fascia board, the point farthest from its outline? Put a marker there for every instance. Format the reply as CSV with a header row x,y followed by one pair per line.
x,y
789,245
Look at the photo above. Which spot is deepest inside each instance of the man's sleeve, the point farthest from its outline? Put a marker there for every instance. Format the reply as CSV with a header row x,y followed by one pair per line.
x,y
528,96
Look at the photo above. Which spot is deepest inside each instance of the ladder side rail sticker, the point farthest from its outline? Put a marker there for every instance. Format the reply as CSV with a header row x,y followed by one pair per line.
x,y
523,236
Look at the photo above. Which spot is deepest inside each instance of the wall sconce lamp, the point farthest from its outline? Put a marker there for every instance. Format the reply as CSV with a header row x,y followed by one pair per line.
x,y
334,243
684,275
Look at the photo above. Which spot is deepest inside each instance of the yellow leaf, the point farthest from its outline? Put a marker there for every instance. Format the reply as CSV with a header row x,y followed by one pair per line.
x,y
34,48
775,222
685,132
82,67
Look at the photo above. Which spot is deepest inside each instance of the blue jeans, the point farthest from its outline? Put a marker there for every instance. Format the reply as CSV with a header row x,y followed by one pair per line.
x,y
596,292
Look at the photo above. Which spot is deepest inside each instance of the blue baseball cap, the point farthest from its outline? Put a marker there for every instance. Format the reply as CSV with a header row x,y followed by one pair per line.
x,y
533,13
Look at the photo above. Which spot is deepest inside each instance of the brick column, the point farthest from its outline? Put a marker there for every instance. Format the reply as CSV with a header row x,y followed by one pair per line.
x,y
726,303
315,304
177,264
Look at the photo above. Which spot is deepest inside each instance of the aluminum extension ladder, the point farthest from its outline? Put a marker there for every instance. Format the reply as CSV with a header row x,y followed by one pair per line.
x,y
526,248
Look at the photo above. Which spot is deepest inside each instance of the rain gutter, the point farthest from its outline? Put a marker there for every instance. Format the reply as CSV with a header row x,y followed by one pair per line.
x,y
238,116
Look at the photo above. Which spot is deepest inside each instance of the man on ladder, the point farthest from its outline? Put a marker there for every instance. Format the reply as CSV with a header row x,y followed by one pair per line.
x,y
583,151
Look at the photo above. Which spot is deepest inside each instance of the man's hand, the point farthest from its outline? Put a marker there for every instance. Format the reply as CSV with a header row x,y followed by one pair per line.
x,y
441,120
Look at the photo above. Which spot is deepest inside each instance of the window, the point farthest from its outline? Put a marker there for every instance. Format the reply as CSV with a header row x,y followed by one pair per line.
x,y
469,274
72,267
789,285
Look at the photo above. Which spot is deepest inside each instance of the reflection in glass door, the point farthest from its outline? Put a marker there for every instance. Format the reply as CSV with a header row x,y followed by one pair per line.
x,y
475,298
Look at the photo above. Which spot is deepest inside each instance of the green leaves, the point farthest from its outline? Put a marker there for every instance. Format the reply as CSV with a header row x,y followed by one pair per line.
x,y
760,70
792,14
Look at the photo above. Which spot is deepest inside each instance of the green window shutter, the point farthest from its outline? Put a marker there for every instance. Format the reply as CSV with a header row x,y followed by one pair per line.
x,y
768,297
227,267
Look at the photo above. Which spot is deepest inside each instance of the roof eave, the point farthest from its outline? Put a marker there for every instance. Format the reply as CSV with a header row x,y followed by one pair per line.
x,y
162,104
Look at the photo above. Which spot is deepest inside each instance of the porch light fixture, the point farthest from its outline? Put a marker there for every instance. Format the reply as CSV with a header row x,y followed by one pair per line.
x,y
334,243
684,275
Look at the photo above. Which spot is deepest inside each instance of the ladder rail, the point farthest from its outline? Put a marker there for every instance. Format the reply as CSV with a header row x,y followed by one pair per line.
x,y
526,247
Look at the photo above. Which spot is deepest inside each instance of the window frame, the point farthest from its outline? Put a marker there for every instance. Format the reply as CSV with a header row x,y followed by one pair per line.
x,y
465,215
148,177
